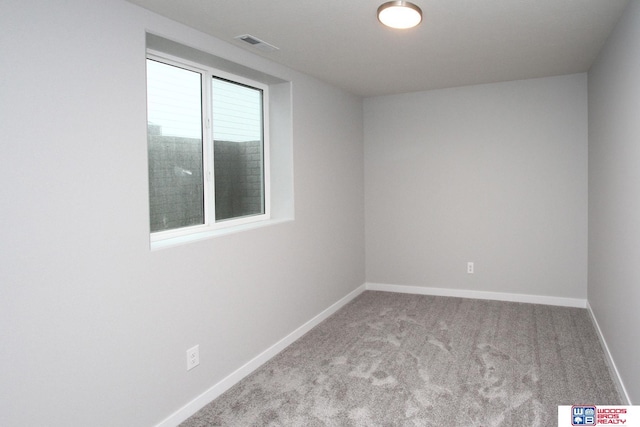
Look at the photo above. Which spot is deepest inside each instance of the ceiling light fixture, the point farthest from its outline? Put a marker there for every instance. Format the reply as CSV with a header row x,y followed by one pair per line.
x,y
399,14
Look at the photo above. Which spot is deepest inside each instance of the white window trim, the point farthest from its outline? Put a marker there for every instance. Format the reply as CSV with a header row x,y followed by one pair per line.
x,y
211,227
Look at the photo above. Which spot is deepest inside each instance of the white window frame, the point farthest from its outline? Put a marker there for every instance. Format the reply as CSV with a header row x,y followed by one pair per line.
x,y
211,227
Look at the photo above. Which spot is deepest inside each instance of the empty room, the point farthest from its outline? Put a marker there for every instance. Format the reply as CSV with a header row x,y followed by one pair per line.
x,y
291,213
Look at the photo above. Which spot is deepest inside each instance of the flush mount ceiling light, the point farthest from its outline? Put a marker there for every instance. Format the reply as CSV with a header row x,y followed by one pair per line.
x,y
399,14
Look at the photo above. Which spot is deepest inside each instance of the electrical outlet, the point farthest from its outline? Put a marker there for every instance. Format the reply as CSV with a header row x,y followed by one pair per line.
x,y
193,357
470,267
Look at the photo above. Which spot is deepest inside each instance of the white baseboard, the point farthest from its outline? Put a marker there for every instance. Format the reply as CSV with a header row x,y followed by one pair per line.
x,y
462,293
612,365
199,402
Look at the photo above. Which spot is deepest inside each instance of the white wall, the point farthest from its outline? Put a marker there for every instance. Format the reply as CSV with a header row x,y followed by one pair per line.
x,y
93,325
495,174
614,195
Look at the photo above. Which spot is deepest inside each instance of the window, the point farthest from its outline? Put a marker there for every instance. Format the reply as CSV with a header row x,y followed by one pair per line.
x,y
208,148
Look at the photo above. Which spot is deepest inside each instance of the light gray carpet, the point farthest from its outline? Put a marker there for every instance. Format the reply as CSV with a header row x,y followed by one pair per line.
x,y
391,359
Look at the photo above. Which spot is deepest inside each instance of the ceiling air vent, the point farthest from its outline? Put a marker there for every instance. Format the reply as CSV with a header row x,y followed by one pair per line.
x,y
257,43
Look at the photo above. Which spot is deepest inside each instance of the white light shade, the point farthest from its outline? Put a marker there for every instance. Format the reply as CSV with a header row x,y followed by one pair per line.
x,y
399,14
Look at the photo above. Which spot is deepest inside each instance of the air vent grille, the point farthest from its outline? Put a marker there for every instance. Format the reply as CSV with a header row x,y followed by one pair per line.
x,y
256,42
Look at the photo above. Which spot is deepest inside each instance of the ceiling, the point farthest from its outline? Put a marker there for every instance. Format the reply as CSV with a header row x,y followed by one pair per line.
x,y
460,42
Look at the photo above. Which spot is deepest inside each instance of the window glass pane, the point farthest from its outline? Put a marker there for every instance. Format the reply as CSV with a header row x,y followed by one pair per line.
x,y
238,150
174,111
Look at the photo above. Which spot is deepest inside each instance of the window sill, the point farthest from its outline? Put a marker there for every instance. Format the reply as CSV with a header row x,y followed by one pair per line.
x,y
194,237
